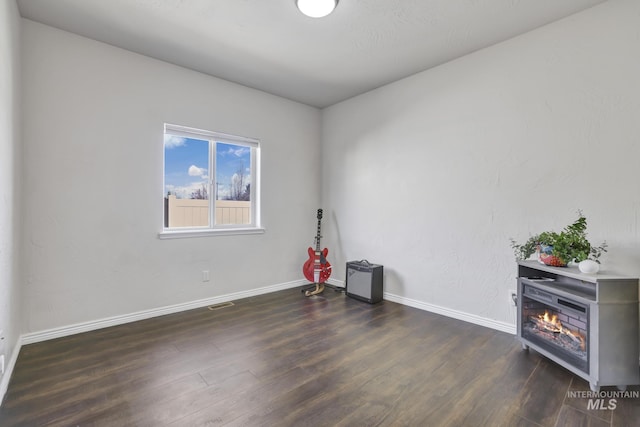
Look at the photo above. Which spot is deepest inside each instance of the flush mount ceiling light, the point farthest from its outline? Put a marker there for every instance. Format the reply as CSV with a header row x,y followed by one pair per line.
x,y
316,8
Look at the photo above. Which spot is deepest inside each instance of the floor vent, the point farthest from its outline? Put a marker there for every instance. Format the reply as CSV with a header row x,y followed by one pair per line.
x,y
219,306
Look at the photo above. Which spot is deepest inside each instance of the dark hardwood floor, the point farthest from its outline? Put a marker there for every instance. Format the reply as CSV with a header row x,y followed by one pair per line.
x,y
285,360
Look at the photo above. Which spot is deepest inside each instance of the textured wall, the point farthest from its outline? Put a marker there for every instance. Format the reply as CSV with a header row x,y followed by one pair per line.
x,y
10,212
93,136
429,176
433,174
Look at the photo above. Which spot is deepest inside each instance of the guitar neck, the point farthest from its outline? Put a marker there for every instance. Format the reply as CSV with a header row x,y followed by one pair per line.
x,y
318,236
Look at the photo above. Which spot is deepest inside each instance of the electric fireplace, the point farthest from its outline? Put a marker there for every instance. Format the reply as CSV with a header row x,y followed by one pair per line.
x,y
556,323
586,323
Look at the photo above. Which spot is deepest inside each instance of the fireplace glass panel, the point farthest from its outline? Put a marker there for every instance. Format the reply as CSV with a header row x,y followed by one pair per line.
x,y
560,327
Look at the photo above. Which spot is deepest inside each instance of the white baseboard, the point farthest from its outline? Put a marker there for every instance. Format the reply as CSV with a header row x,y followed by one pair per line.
x,y
64,331
8,370
460,315
93,325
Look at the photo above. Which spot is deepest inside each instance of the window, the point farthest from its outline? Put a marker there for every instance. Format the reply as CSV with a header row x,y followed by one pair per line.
x,y
210,183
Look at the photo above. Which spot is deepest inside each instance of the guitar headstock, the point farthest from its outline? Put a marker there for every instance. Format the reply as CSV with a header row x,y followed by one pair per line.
x,y
319,213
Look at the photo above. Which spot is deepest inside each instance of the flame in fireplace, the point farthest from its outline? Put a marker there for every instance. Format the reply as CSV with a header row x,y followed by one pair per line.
x,y
551,323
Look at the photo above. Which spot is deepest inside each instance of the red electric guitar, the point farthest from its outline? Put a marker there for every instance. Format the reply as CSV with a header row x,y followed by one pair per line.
x,y
317,269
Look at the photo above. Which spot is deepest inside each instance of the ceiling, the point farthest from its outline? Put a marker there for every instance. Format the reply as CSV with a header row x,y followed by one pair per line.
x,y
269,45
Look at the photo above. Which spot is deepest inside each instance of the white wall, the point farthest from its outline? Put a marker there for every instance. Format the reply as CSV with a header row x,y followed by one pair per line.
x,y
93,136
10,212
430,176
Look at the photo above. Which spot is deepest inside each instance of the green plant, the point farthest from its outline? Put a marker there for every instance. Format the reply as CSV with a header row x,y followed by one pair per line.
x,y
571,244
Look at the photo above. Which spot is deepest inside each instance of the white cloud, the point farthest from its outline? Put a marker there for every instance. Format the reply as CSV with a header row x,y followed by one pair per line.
x,y
196,171
171,141
184,191
238,152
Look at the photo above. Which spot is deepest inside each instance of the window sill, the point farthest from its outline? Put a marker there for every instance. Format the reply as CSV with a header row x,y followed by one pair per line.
x,y
181,234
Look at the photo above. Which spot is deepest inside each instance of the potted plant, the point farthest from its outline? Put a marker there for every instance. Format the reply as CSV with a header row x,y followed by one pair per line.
x,y
559,249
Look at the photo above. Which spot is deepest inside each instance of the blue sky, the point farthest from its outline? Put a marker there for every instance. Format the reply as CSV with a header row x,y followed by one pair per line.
x,y
186,165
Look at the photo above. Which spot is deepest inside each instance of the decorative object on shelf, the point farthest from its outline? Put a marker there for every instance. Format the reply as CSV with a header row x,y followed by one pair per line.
x,y
316,8
545,256
588,266
559,249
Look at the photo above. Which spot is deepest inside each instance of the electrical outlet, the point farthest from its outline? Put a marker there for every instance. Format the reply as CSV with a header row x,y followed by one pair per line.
x,y
205,275
2,364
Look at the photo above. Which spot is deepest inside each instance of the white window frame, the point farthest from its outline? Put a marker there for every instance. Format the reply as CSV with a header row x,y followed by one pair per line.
x,y
254,227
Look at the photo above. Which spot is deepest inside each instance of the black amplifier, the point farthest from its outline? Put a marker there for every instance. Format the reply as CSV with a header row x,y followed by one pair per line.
x,y
364,281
